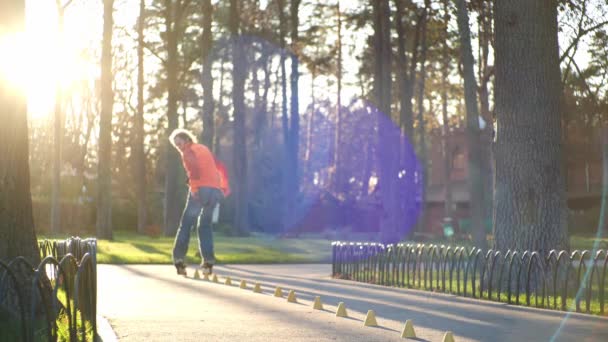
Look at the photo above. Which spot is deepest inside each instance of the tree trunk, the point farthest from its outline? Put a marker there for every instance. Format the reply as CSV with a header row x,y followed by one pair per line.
x,y
264,105
485,37
171,209
406,75
239,73
387,135
485,73
104,199
221,108
138,141
529,194
474,166
294,130
337,177
207,114
284,117
310,121
57,142
422,153
447,156
406,120
17,233
260,100
602,226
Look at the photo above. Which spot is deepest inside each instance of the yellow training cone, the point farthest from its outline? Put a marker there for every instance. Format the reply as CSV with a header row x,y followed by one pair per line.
x,y
257,288
197,275
408,330
243,284
214,279
228,281
370,319
317,305
448,337
291,297
278,292
341,312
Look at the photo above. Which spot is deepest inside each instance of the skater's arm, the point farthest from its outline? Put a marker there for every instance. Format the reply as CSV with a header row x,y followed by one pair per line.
x,y
191,165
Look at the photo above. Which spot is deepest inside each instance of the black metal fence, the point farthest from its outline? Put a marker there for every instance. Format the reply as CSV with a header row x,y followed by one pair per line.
x,y
560,280
55,301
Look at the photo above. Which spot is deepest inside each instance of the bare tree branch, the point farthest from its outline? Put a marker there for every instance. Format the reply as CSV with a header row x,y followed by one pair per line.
x,y
586,85
188,63
67,4
583,11
581,34
148,47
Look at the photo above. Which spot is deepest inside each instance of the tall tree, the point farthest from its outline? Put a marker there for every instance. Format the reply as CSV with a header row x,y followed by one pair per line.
x,y
422,149
485,74
17,233
261,107
529,190
174,12
474,167
445,74
239,72
282,34
386,134
58,132
104,197
485,70
208,109
139,132
337,166
294,122
220,104
284,113
405,76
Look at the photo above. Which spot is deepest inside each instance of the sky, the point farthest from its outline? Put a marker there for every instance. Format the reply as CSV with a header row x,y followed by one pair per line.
x,y
49,60
62,60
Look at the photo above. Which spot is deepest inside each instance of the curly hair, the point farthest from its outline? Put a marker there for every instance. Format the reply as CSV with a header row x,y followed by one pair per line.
x,y
183,134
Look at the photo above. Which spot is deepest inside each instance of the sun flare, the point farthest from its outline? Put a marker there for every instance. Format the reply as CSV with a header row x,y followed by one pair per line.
x,y
40,61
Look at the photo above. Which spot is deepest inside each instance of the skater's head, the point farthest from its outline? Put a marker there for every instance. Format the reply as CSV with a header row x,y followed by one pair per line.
x,y
180,137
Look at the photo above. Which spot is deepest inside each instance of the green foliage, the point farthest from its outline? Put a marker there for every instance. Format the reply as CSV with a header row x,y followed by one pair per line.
x,y
10,329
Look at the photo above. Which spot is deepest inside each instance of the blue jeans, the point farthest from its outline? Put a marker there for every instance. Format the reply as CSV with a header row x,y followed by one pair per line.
x,y
197,211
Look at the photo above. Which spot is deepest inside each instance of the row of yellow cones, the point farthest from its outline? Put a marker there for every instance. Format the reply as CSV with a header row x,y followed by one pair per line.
x,y
370,319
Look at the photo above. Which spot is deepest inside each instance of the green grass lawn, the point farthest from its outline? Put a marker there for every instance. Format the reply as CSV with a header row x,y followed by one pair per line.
x,y
131,248
588,242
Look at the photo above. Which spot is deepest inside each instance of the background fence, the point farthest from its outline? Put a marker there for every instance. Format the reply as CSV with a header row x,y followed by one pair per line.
x,y
560,280
57,300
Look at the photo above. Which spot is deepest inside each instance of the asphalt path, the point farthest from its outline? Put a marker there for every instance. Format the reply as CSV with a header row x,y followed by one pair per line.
x,y
152,303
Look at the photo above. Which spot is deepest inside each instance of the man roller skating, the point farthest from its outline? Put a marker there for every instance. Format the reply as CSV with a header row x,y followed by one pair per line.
x,y
207,186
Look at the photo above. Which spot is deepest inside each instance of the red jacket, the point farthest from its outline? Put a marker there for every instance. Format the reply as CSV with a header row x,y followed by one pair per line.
x,y
200,166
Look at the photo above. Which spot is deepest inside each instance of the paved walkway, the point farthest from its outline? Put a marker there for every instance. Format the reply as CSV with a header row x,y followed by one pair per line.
x,y
151,303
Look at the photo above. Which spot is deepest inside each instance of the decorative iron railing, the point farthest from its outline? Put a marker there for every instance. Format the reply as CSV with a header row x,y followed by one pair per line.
x,y
57,300
560,280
